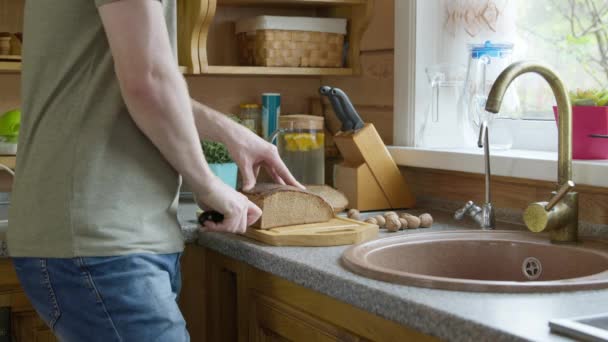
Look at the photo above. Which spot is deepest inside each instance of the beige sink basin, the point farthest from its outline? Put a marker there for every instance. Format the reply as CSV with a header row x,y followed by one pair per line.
x,y
482,261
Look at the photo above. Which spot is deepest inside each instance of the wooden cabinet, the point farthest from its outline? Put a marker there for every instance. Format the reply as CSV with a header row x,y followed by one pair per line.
x,y
226,300
11,21
26,325
207,42
273,320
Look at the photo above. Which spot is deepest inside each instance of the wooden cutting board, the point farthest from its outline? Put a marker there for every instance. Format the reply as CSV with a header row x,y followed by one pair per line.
x,y
337,231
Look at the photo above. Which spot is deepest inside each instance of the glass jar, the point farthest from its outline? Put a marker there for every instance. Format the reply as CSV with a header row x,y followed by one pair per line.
x,y
250,117
486,62
443,126
301,143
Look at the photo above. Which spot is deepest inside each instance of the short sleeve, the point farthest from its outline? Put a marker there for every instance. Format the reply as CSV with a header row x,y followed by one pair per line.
x,y
103,2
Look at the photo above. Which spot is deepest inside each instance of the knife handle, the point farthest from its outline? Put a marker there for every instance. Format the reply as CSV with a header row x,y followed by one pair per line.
x,y
347,125
349,109
210,215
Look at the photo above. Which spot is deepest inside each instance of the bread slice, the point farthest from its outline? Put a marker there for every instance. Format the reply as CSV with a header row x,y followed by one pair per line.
x,y
334,197
284,205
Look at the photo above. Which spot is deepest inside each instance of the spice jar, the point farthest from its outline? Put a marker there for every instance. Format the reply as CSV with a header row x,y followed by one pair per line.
x,y
250,117
301,143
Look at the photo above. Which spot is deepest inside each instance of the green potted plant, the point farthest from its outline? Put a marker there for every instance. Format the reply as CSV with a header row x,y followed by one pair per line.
x,y
589,123
220,161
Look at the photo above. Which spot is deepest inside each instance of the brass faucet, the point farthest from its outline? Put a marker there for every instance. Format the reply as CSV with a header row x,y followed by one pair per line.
x,y
559,216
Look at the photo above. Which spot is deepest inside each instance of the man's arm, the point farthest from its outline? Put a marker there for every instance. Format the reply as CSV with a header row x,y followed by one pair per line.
x,y
157,98
248,150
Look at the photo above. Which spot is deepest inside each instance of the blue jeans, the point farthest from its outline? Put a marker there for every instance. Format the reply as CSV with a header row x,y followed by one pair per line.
x,y
118,298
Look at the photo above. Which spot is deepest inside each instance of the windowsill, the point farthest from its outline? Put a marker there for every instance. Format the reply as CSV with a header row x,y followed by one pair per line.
x,y
527,164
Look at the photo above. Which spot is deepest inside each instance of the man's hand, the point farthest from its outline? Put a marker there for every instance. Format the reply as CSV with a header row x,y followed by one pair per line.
x,y
239,213
249,151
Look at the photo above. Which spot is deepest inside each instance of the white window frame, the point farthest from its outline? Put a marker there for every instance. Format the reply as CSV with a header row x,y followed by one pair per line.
x,y
409,79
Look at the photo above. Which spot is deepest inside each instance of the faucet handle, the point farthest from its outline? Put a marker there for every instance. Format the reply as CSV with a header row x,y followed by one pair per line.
x,y
459,214
563,190
541,216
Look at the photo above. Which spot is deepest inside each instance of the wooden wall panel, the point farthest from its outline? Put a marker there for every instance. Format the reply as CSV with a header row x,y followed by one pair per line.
x,y
222,93
372,91
507,192
380,34
374,87
11,15
10,90
225,93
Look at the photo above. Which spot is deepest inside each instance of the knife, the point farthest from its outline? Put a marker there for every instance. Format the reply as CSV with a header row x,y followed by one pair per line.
x,y
349,110
211,215
347,125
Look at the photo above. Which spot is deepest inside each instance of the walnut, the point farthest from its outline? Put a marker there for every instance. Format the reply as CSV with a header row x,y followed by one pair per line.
x,y
392,223
381,220
404,223
426,220
389,213
371,220
354,214
404,215
412,222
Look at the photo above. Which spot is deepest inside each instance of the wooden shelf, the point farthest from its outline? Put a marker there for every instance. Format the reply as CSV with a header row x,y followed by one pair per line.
x,y
257,70
9,67
9,161
295,3
11,58
201,27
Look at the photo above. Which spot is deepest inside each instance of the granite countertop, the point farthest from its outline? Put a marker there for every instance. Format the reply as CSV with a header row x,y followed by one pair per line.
x,y
450,315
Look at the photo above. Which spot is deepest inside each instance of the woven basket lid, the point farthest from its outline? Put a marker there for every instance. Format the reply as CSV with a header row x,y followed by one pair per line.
x,y
301,121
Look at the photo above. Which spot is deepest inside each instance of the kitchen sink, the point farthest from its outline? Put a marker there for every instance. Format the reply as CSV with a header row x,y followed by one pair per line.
x,y
482,261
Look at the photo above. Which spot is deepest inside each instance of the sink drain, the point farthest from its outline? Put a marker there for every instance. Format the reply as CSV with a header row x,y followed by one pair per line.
x,y
532,268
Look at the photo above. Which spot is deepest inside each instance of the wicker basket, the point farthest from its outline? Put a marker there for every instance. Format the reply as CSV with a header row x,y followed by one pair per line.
x,y
291,48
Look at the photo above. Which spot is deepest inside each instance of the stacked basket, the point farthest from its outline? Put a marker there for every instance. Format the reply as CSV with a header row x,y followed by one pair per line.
x,y
291,41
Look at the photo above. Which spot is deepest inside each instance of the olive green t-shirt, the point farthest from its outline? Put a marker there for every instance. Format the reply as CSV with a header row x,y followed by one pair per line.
x,y
88,181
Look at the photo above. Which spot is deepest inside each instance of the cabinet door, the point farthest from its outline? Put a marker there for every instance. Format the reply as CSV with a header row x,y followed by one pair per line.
x,y
45,335
272,320
28,327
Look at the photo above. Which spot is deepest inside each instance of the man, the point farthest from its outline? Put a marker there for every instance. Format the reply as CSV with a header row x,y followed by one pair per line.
x,y
107,127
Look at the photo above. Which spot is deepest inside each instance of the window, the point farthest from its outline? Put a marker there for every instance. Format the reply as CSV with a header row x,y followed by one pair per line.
x,y
570,35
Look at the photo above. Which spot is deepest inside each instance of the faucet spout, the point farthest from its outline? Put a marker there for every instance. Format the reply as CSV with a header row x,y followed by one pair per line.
x,y
560,215
564,108
484,142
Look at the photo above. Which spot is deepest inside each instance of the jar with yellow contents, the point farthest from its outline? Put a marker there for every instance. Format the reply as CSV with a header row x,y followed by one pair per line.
x,y
301,143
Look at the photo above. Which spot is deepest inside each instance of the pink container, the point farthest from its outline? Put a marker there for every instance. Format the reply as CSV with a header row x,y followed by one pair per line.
x,y
588,121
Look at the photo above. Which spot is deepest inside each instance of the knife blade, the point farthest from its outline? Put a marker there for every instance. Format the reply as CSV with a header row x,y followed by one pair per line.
x,y
347,125
349,109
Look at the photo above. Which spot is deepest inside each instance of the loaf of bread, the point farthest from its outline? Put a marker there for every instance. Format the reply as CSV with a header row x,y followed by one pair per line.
x,y
284,205
332,196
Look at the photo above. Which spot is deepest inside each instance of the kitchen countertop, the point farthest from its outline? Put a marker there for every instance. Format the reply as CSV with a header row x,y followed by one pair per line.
x,y
450,315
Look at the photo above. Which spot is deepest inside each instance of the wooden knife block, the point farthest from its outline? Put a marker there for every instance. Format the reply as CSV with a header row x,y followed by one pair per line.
x,y
369,177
